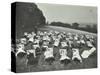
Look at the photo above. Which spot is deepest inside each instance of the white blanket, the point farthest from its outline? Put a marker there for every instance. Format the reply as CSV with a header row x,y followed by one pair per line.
x,y
35,46
64,44
87,53
56,43
31,51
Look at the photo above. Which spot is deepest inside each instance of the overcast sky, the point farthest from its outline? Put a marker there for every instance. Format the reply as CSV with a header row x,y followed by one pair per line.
x,y
69,13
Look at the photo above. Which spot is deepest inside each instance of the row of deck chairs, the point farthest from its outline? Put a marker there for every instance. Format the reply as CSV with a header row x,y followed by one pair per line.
x,y
54,45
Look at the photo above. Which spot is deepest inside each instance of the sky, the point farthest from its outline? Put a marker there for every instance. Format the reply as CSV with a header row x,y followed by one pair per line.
x,y
68,13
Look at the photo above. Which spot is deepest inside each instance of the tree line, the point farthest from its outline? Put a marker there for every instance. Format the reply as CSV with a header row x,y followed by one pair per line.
x,y
75,25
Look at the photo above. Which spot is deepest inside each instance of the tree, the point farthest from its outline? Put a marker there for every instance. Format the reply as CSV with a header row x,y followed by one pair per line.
x,y
61,24
94,28
75,25
47,23
88,28
28,16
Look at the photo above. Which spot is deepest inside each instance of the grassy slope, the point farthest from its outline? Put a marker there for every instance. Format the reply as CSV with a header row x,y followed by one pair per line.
x,y
61,29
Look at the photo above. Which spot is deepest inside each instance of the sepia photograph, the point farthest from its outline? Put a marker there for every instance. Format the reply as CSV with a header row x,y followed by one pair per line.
x,y
53,37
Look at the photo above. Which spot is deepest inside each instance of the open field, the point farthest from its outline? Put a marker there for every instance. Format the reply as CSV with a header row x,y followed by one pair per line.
x,y
90,62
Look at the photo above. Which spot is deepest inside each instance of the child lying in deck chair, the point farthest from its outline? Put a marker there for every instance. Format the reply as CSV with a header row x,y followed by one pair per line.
x,y
87,53
49,58
64,58
76,56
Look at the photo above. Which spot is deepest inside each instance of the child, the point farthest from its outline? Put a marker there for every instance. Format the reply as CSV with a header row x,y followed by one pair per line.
x,y
49,58
64,58
76,56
